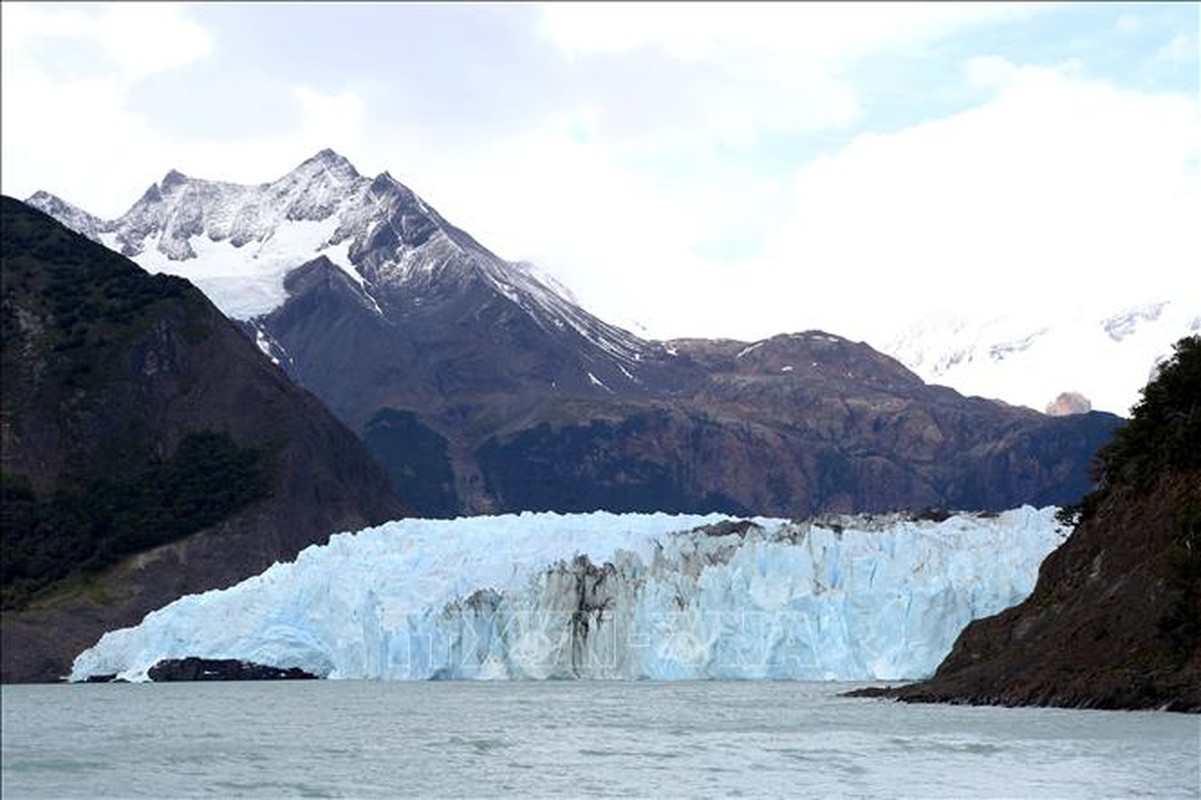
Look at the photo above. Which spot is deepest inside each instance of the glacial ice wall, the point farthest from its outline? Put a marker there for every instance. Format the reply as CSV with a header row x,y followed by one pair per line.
x,y
629,596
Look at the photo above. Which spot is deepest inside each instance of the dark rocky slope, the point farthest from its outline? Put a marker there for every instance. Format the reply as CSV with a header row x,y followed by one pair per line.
x,y
1115,619
149,449
794,425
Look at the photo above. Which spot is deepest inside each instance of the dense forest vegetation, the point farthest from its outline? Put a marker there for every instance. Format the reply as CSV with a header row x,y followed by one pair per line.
x,y
90,525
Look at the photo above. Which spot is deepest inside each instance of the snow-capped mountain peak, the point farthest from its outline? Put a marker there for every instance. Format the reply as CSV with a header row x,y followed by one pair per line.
x,y
332,160
1128,322
70,215
1061,363
171,180
239,242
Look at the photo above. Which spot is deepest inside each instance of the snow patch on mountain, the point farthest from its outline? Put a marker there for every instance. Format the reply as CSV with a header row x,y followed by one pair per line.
x,y
245,280
1104,356
1128,322
270,346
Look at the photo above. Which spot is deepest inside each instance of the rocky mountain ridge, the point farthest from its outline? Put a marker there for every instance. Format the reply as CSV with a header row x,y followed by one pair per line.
x,y
400,251
453,363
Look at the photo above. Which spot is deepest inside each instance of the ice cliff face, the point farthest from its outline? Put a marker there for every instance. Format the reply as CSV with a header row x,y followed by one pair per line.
x,y
536,596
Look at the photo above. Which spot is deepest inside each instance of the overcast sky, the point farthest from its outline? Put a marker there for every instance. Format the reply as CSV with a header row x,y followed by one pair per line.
x,y
721,170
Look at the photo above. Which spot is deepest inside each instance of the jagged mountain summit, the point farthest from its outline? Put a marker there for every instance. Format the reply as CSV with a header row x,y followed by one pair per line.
x,y
238,244
481,386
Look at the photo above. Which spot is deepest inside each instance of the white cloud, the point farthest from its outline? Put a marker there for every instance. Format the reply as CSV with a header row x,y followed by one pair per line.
x,y
59,125
1054,188
57,122
326,119
145,38
1130,23
334,119
807,32
753,68
1052,183
1182,47
1058,188
989,71
139,39
54,133
86,129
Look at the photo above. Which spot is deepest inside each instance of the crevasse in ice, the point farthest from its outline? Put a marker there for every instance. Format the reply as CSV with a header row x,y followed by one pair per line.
x,y
618,596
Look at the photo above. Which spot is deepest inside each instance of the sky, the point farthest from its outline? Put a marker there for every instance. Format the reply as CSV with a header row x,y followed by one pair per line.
x,y
702,169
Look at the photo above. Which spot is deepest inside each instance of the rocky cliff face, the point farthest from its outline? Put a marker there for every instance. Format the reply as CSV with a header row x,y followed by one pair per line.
x,y
127,398
791,426
1115,619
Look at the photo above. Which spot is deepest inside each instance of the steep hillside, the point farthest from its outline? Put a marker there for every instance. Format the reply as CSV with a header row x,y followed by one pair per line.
x,y
149,450
1115,619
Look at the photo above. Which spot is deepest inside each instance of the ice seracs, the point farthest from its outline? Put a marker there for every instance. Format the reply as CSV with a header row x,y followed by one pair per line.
x,y
632,596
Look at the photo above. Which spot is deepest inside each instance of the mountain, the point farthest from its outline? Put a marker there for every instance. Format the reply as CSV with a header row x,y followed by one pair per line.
x,y
1032,358
607,596
481,386
794,425
149,449
1115,619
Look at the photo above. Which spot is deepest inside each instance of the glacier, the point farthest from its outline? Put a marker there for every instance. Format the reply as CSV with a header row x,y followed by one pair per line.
x,y
609,596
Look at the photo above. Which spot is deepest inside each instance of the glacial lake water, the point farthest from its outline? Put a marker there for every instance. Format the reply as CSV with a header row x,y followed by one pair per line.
x,y
571,739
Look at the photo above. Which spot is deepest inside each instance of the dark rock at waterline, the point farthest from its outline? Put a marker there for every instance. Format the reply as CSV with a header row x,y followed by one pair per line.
x,y
221,669
109,678
873,691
